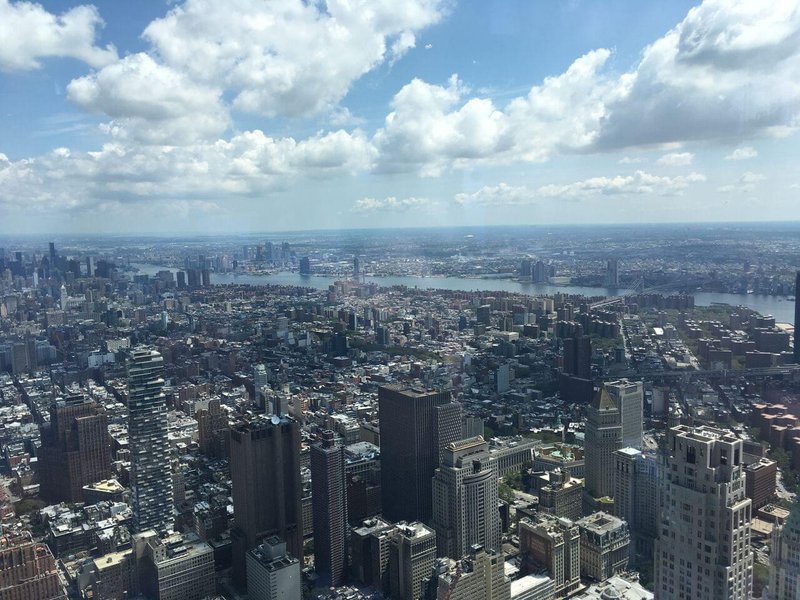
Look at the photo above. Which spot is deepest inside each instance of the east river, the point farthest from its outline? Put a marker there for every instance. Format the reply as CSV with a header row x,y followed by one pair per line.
x,y
777,306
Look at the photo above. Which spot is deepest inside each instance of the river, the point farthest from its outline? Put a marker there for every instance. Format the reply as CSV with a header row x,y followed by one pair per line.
x,y
779,307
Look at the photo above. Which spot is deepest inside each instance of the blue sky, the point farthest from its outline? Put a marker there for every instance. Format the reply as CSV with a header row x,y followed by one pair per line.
x,y
259,116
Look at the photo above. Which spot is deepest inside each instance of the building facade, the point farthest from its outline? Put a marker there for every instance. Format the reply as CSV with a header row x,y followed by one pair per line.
x,y
465,494
151,476
271,573
555,545
602,438
703,548
604,546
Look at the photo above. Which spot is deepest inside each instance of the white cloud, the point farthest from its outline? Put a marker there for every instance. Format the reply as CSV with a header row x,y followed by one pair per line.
x,y
746,183
729,70
287,58
151,103
676,159
249,164
743,153
390,204
631,160
29,33
639,183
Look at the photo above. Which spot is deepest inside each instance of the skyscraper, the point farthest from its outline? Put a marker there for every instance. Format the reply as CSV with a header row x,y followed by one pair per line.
x,y
703,549
271,573
75,449
465,490
267,489
329,509
578,356
784,572
151,477
412,552
637,494
555,545
612,273
602,438
629,398
412,435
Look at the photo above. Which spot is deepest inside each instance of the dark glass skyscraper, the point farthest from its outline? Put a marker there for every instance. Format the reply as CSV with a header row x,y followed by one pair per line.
x,y
267,489
413,431
151,477
328,496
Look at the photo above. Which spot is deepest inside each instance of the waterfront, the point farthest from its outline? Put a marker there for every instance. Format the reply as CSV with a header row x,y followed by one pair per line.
x,y
779,307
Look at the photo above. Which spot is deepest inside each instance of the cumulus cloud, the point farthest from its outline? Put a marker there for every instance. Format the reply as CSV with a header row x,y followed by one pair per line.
x,y
292,57
250,163
389,204
29,33
743,153
150,102
729,70
639,183
676,159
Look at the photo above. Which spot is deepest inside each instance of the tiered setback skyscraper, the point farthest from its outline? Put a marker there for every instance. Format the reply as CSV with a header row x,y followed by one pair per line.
x,y
465,491
703,549
75,449
151,477
603,437
329,509
267,488
413,432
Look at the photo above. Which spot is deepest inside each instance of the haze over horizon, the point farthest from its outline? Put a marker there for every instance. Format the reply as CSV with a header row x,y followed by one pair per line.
x,y
121,119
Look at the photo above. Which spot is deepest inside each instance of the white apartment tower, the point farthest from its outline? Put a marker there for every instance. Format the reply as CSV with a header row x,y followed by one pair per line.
x,y
465,489
703,548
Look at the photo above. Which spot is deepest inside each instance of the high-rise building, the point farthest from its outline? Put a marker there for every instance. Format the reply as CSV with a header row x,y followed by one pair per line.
x,y
629,398
561,494
784,572
637,494
369,553
703,548
75,449
305,266
465,490
212,430
555,545
28,570
267,487
260,381
761,481
480,575
356,268
602,438
272,574
578,357
797,319
176,567
412,552
413,433
604,545
329,509
151,476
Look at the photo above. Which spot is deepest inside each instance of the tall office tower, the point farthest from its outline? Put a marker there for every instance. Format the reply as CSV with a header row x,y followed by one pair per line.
x,y
329,509
53,255
175,567
602,438
90,266
612,273
272,574
629,397
465,491
449,426
369,553
784,572
356,268
260,381
75,449
797,319
305,266
637,496
412,435
412,552
151,477
555,545
561,495
267,487
578,357
604,545
480,575
28,570
541,272
703,548
212,430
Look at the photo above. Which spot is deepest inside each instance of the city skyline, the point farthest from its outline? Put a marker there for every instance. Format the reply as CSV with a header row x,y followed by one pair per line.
x,y
431,113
